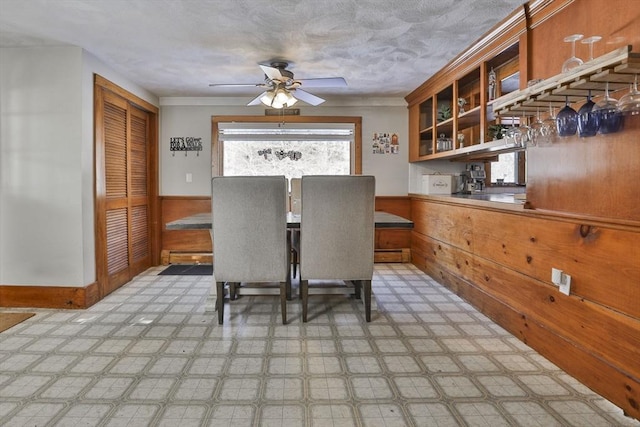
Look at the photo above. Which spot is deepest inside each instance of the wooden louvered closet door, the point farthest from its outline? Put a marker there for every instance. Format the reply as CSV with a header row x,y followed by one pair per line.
x,y
122,199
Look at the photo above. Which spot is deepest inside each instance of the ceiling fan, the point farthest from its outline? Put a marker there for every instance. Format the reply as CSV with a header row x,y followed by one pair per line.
x,y
282,90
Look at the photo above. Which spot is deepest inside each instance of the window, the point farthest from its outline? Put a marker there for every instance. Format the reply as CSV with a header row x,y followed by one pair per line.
x,y
306,146
293,151
504,170
509,169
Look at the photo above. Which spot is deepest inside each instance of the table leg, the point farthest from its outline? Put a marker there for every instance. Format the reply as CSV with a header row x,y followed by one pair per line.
x,y
210,305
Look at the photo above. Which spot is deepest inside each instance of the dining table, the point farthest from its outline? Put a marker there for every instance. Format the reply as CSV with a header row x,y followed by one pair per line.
x,y
202,221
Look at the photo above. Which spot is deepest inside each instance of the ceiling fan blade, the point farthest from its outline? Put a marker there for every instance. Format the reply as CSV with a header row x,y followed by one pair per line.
x,y
237,85
256,100
307,97
324,82
273,73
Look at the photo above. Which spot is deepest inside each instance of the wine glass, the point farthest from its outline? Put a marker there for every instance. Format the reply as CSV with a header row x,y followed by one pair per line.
x,y
548,131
588,120
522,134
590,41
629,104
536,129
509,135
567,120
608,113
574,61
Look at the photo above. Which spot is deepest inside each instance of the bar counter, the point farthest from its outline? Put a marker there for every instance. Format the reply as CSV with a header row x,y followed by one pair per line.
x,y
502,201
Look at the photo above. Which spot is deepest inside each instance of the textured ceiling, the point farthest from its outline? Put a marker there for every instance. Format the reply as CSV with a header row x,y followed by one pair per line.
x,y
383,48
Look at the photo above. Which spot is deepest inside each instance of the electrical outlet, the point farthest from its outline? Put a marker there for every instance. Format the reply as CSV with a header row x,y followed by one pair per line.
x,y
189,177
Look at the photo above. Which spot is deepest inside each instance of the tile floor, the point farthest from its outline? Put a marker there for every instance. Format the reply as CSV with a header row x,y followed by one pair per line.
x,y
148,355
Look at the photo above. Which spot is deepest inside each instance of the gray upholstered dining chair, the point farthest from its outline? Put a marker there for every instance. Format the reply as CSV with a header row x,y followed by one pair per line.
x,y
337,233
249,235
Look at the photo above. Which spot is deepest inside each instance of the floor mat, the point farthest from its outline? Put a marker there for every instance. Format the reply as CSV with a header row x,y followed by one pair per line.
x,y
8,320
188,270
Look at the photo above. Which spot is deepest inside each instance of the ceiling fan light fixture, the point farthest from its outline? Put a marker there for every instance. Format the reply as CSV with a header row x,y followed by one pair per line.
x,y
283,90
281,97
267,98
278,98
291,99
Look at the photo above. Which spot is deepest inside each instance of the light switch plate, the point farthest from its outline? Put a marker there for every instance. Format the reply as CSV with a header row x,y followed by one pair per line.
x,y
565,286
562,280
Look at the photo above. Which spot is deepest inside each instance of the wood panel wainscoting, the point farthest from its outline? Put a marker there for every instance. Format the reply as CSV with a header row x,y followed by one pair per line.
x,y
500,261
194,246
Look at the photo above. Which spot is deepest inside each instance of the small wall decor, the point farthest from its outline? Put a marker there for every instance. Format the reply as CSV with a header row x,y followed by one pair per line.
x,y
461,103
185,143
492,85
385,143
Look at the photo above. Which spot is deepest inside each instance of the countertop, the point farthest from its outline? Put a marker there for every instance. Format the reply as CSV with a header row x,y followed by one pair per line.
x,y
503,201
492,197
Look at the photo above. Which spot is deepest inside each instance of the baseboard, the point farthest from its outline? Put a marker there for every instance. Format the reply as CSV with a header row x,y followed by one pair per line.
x,y
169,257
49,296
392,255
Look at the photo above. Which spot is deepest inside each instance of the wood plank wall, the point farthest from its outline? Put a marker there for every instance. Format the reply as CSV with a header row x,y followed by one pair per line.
x,y
501,262
176,207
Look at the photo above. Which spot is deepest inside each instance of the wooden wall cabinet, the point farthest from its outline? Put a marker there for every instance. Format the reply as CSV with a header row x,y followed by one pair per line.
x,y
450,114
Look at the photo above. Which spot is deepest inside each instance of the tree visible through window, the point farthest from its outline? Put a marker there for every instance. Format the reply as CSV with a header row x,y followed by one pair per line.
x,y
290,151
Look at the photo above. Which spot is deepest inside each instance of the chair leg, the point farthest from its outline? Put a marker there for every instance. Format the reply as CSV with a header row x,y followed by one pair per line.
x,y
304,293
283,302
367,300
294,262
220,301
287,290
357,284
233,290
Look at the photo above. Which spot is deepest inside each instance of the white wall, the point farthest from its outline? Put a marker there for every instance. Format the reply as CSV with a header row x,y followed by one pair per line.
x,y
46,165
192,117
40,149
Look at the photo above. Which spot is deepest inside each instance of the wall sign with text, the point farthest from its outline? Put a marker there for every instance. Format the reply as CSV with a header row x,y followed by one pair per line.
x,y
186,144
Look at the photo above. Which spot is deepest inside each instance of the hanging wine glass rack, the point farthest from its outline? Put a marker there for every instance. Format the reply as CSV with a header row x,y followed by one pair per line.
x,y
617,68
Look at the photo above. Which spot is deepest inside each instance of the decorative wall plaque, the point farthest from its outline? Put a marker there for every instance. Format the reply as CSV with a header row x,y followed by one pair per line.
x,y
185,143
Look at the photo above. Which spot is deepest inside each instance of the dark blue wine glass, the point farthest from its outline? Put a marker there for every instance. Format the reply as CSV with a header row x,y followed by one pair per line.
x,y
567,120
608,113
588,120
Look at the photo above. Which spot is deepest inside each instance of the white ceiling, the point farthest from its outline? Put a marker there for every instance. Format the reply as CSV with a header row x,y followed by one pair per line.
x,y
383,48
